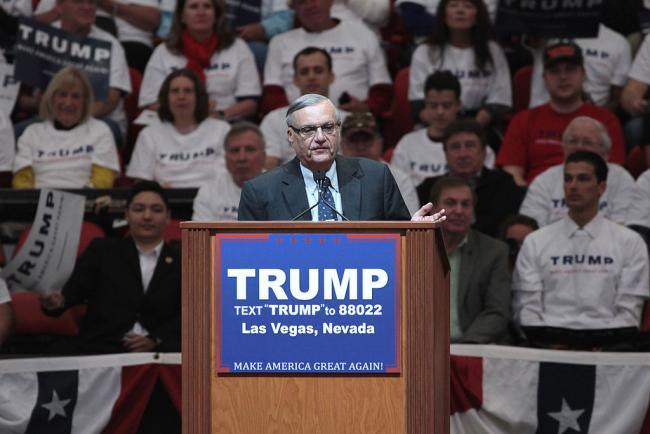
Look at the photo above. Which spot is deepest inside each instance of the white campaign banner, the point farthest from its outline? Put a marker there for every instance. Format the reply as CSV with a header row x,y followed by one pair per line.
x,y
8,88
47,257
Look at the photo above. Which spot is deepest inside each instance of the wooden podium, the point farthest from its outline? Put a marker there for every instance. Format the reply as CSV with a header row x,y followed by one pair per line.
x,y
414,401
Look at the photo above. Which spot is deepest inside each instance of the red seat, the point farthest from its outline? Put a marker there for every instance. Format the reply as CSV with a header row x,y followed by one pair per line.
x,y
636,162
521,88
172,231
398,121
89,231
30,319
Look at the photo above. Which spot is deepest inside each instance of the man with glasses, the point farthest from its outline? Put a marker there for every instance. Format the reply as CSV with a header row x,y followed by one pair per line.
x,y
358,189
545,197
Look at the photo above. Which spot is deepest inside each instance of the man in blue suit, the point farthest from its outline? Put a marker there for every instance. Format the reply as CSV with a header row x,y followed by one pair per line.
x,y
356,188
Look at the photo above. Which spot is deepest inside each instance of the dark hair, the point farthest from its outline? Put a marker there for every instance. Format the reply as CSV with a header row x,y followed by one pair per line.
x,y
442,80
143,186
480,33
312,50
596,161
445,182
243,127
202,104
516,219
225,37
464,125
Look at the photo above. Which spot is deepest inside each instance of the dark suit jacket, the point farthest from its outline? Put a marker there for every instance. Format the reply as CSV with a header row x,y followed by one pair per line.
x,y
107,277
483,289
498,197
368,192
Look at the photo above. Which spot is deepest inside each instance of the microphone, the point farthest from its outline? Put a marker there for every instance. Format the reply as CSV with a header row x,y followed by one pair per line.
x,y
319,177
321,181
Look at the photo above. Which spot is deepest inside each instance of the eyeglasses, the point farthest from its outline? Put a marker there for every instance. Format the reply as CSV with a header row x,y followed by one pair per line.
x,y
310,131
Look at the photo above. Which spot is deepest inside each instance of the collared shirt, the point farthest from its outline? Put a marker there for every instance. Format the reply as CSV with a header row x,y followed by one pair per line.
x,y
454,265
148,261
594,277
311,188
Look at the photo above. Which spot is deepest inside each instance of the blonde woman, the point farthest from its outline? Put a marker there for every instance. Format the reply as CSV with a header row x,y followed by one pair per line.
x,y
69,148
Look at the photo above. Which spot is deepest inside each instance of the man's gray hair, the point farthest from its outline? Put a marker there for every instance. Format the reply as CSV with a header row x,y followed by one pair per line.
x,y
308,100
605,140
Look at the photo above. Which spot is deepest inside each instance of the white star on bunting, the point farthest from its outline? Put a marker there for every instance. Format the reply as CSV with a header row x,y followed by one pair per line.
x,y
56,406
567,417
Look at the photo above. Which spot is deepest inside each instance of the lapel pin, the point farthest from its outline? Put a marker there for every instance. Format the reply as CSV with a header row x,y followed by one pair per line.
x,y
168,259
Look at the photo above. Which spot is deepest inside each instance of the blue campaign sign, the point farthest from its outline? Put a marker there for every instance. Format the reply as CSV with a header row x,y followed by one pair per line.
x,y
307,303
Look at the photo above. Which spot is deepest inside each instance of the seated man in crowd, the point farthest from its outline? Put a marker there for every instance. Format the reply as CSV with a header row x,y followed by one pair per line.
x,y
634,100
607,60
362,80
583,272
244,154
312,73
545,197
420,153
360,138
533,140
6,313
497,195
132,286
479,276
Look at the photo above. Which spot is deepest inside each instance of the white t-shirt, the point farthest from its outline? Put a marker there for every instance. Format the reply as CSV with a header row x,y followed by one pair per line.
x,y
406,187
217,199
119,75
126,32
232,74
373,13
64,159
422,158
477,88
432,6
639,213
7,143
607,62
545,203
358,61
17,8
4,292
274,129
178,160
640,70
590,278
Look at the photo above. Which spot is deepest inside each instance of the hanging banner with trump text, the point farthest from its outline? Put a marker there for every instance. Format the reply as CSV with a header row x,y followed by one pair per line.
x,y
550,18
42,50
308,303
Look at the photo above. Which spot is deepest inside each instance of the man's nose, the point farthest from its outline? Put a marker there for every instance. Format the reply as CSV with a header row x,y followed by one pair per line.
x,y
320,135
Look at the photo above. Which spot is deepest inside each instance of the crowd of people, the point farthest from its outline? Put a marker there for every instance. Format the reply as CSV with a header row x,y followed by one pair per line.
x,y
544,225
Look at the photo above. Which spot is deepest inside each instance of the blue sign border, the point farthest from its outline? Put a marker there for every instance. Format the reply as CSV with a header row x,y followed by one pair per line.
x,y
385,358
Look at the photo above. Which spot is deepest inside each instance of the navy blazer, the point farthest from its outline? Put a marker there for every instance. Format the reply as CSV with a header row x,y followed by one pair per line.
x,y
368,192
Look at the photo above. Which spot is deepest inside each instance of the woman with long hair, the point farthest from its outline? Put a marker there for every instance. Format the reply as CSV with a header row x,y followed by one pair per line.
x,y
200,40
461,43
70,148
185,146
